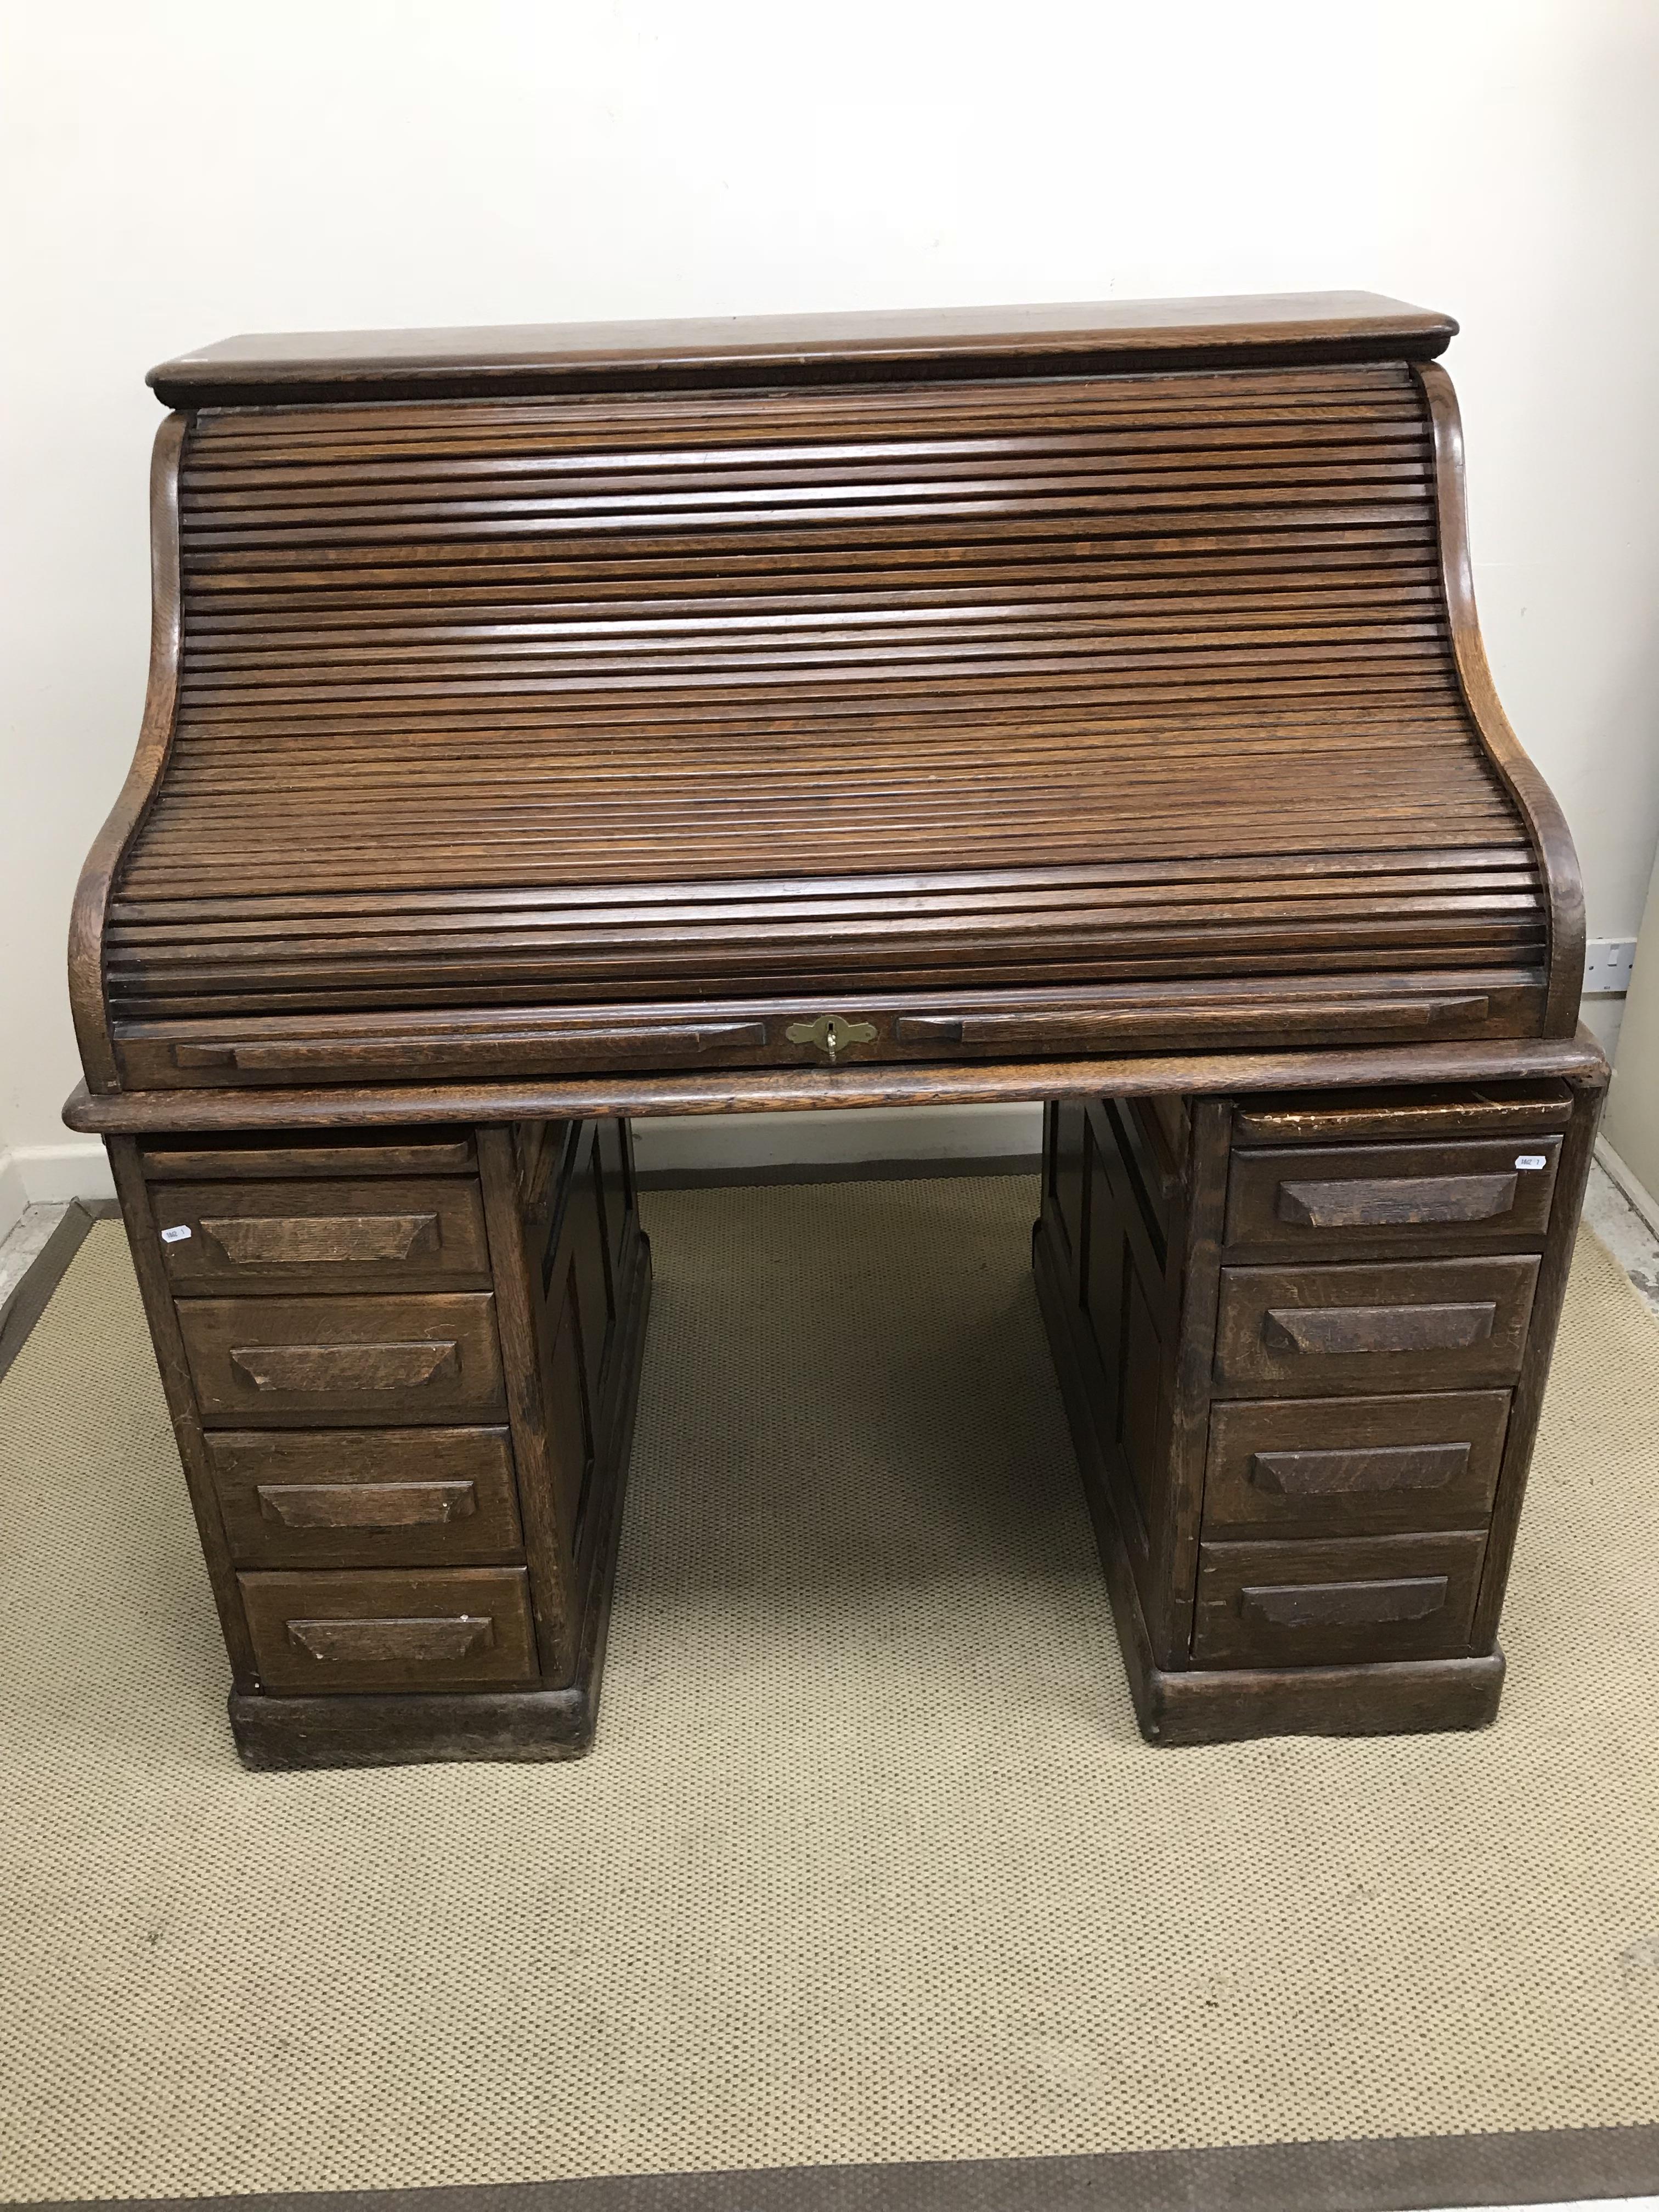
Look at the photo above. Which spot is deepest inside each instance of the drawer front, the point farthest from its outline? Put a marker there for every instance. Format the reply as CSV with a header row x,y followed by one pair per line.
x,y
258,1362
460,1628
1426,1197
1333,1467
366,1497
247,1158
1395,1113
1347,1603
1423,1324
278,1237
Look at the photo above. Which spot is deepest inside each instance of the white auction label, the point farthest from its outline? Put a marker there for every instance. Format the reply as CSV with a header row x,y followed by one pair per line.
x,y
177,1235
1532,1160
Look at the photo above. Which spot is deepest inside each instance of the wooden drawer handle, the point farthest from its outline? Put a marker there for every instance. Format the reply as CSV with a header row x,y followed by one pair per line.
x,y
347,1366
1341,1473
1337,1329
1344,1605
1391,1200
309,1241
379,1643
365,1504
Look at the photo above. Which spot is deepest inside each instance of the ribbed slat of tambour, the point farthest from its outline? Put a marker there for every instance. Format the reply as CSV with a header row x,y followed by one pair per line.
x,y
1090,679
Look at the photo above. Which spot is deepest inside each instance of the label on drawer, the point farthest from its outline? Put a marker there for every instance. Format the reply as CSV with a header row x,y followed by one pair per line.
x,y
176,1235
1532,1160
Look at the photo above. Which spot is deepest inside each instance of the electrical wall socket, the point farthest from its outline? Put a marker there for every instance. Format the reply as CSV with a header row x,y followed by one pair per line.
x,y
1608,963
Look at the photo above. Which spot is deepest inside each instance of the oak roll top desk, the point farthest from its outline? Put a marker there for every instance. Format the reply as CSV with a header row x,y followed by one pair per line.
x,y
546,725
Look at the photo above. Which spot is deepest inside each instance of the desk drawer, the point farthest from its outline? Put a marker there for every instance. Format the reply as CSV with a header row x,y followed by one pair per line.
x,y
464,1628
1431,1198
250,1156
1412,1325
382,1235
1335,1466
259,1362
1336,1604
366,1497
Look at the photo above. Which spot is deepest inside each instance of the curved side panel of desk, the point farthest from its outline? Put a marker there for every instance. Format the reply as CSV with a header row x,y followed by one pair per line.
x,y
1546,825
86,942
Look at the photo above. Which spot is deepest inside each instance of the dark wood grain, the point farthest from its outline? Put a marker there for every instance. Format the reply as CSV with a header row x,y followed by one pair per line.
x,y
183,1409
1577,1153
390,1359
89,916
1395,1201
1134,1277
1425,1197
1410,1328
1345,1472
405,1629
1357,1508
1375,1697
365,1506
1415,1113
1186,1704
1129,1304
375,1645
1194,1291
1333,1466
1538,804
549,725
1418,1325
366,1497
772,349
356,1050
775,1090
384,1234
554,1594
352,1154
1139,697
1337,1602
369,1730
275,1734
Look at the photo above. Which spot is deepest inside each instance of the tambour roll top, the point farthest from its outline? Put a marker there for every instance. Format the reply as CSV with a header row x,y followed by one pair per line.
x,y
984,686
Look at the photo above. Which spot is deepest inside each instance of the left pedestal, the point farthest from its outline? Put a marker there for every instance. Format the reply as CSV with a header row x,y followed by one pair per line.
x,y
402,1367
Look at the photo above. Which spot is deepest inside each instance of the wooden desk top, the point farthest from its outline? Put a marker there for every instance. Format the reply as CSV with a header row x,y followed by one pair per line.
x,y
1280,327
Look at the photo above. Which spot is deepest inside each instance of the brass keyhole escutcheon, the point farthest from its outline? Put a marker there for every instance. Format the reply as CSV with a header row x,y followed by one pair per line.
x,y
831,1033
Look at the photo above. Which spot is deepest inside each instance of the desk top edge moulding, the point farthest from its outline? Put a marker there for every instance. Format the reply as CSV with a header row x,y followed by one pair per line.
x,y
1301,326
550,725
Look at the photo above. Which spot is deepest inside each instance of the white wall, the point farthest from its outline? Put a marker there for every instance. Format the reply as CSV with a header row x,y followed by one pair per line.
x,y
176,170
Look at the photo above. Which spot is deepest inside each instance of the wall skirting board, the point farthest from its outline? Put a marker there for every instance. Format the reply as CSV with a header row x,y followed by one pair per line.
x,y
50,1175
697,1144
14,1197
1642,1200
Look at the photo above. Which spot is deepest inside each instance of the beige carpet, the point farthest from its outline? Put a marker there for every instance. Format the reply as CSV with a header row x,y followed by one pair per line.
x,y
869,1862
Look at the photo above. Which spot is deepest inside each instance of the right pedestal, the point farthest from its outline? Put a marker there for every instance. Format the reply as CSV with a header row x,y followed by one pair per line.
x,y
1303,1340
